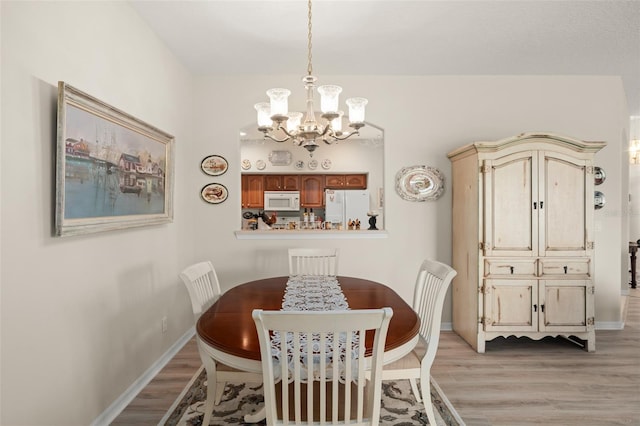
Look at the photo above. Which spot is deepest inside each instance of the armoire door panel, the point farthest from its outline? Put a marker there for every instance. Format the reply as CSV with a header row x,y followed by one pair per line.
x,y
563,205
564,305
511,229
510,305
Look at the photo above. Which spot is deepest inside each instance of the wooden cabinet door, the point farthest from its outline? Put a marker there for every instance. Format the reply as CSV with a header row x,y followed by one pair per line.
x,y
510,305
334,181
352,181
253,191
273,182
566,305
311,191
510,221
290,182
358,181
565,205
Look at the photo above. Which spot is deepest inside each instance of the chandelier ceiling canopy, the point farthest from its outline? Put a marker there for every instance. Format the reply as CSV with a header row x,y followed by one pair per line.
x,y
280,125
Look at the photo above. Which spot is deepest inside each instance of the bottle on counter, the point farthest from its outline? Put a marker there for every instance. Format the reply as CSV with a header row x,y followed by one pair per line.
x,y
312,217
306,216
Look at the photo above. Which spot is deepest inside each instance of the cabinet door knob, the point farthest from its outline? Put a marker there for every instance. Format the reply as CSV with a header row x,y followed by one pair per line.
x,y
535,308
535,205
565,269
511,269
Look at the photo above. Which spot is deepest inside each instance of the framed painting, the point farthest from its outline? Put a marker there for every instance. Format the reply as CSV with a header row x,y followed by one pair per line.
x,y
113,171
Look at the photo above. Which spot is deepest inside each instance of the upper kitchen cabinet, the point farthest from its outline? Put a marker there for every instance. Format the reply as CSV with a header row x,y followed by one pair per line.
x,y
281,182
347,181
523,239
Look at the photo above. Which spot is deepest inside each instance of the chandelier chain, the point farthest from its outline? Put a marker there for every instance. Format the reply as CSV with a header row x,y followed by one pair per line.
x,y
309,66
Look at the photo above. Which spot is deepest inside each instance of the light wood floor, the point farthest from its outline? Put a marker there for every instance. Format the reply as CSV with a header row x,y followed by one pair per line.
x,y
516,382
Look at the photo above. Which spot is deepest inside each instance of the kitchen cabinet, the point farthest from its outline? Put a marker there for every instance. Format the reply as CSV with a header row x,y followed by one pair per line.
x,y
281,182
252,191
346,181
523,238
311,191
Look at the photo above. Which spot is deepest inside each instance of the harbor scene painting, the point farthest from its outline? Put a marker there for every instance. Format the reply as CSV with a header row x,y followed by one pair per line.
x,y
113,170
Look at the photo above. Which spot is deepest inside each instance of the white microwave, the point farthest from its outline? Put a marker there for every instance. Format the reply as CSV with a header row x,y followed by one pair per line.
x,y
286,201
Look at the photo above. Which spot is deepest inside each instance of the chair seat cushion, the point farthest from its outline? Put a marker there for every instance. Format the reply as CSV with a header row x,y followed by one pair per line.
x,y
410,360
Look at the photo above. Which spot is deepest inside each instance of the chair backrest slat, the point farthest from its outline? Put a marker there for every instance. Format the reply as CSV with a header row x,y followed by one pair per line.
x,y
313,261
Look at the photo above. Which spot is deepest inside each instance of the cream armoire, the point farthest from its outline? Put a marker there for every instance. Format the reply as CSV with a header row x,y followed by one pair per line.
x,y
523,239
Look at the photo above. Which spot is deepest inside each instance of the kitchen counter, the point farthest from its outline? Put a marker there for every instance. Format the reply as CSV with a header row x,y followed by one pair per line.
x,y
319,234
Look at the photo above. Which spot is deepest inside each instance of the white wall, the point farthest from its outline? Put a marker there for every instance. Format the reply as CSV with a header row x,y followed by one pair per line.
x,y
423,118
81,316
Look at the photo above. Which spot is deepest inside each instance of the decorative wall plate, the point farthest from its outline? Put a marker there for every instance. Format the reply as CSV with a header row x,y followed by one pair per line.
x,y
260,165
598,175
326,164
598,200
214,193
313,164
280,158
419,183
214,165
246,164
299,164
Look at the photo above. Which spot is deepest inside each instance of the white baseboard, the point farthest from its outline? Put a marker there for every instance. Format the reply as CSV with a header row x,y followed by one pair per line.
x,y
446,326
109,415
609,325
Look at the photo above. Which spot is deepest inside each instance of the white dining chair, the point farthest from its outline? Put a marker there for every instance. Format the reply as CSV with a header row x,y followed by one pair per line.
x,y
313,261
333,392
203,287
430,290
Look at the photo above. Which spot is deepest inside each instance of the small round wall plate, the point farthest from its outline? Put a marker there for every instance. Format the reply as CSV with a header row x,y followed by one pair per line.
x,y
214,165
598,200
419,183
260,165
326,164
299,164
313,164
246,164
214,193
598,175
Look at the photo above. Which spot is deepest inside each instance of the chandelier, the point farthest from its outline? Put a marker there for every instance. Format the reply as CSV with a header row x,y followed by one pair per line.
x,y
280,125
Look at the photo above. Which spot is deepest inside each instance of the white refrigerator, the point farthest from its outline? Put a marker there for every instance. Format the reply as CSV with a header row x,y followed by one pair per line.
x,y
342,205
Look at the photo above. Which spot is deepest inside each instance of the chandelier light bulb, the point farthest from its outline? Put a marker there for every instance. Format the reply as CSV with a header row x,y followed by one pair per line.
x,y
336,123
329,97
356,109
279,101
264,114
294,121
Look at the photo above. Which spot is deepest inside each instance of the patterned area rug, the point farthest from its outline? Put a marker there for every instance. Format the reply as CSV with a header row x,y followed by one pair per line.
x,y
399,406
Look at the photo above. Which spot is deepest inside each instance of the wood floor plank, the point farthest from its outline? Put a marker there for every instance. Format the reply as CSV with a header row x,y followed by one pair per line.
x,y
516,382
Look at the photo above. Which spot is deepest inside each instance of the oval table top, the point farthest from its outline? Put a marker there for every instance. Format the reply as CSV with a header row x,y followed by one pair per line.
x,y
227,326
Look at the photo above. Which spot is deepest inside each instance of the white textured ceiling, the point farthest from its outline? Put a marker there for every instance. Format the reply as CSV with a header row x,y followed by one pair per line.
x,y
392,37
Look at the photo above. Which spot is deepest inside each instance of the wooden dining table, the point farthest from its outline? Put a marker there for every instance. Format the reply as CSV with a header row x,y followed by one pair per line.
x,y
228,333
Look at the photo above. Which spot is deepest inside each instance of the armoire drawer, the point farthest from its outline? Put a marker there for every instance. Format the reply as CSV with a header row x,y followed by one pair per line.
x,y
570,267
524,268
